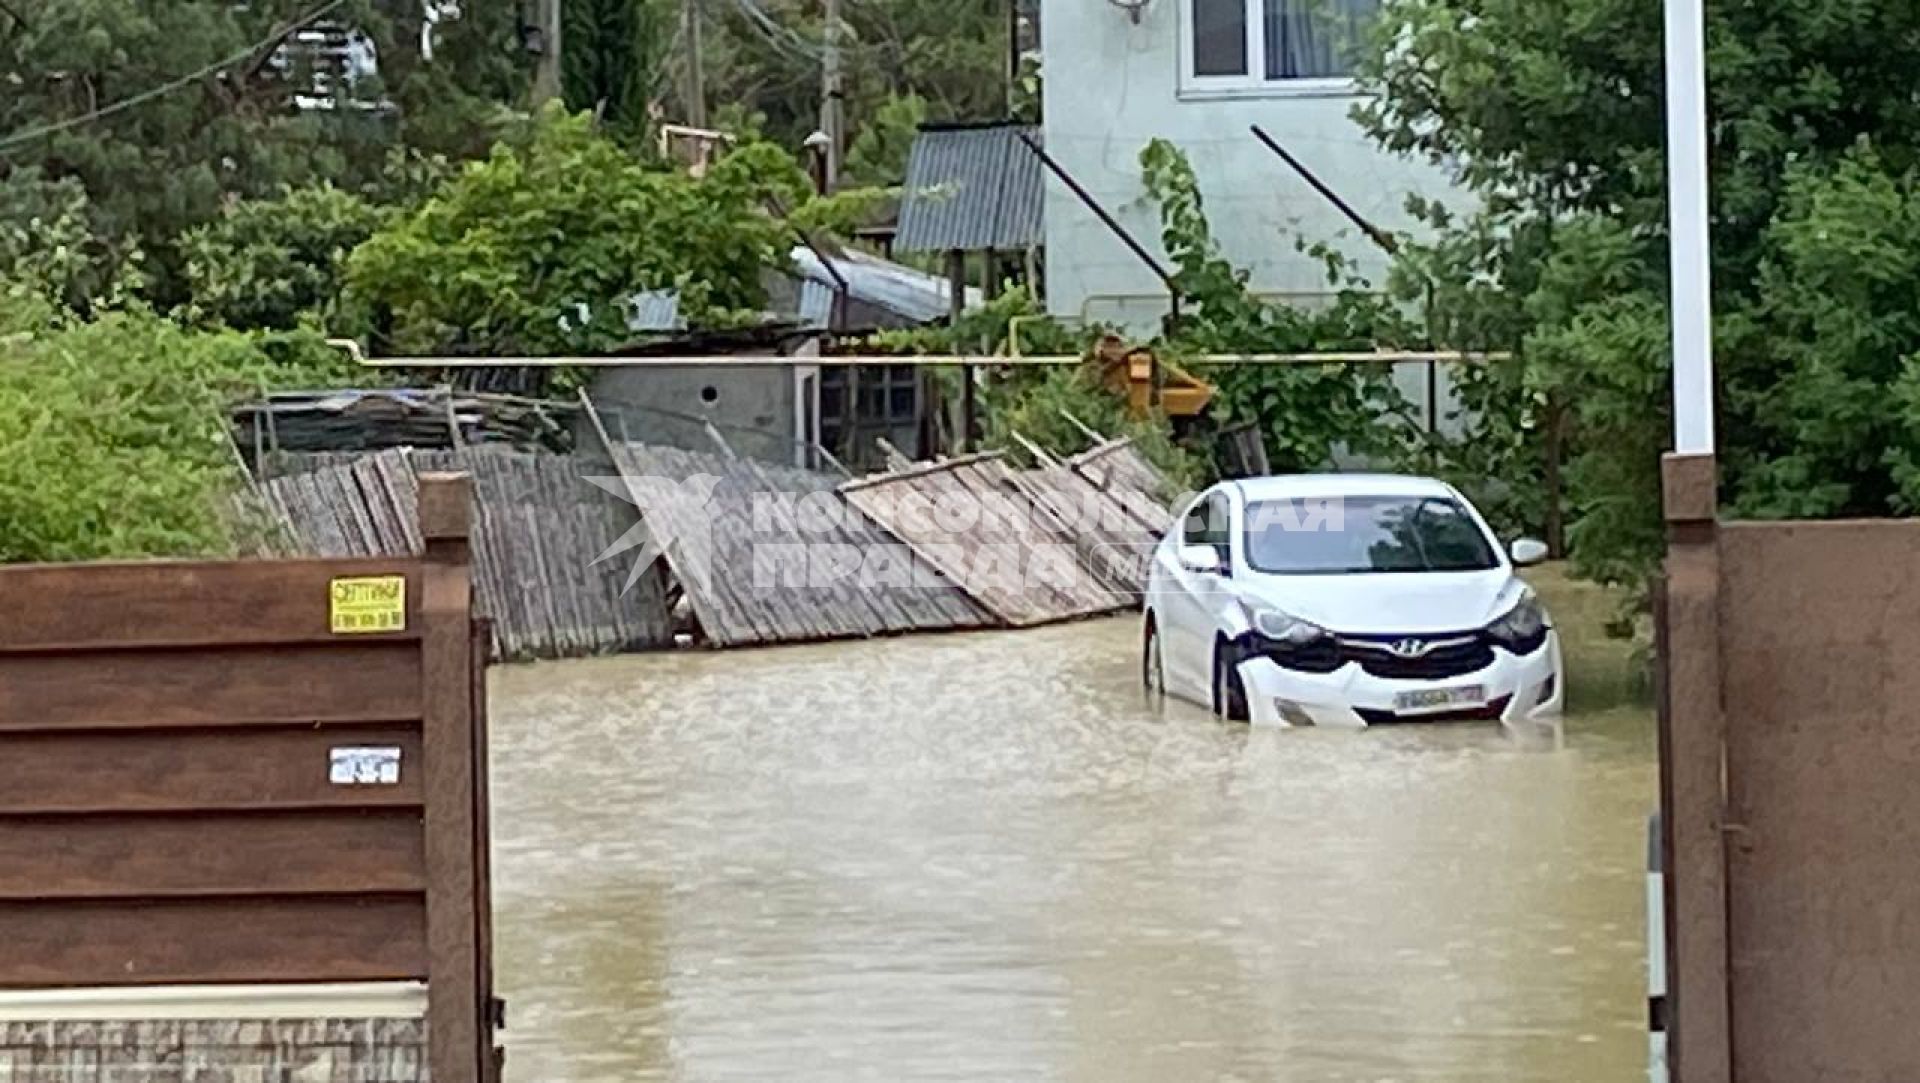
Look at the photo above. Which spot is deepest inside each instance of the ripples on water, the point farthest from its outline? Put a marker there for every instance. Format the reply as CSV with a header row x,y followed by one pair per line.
x,y
986,857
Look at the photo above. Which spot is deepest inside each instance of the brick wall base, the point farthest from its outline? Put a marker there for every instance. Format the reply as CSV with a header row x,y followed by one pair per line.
x,y
215,1051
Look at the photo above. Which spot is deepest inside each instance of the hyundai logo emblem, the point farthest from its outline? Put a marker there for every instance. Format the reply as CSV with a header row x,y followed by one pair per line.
x,y
1409,648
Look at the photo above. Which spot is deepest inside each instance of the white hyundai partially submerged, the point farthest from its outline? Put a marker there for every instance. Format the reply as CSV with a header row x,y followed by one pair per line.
x,y
1347,600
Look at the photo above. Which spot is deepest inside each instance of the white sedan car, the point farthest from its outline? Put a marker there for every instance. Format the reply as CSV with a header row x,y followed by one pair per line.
x,y
1347,600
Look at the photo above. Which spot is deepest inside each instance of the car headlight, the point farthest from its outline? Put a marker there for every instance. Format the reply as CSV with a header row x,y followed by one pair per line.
x,y
1523,628
1284,627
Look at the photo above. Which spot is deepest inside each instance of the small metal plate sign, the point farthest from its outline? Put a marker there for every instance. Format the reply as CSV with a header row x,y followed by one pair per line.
x,y
364,766
375,603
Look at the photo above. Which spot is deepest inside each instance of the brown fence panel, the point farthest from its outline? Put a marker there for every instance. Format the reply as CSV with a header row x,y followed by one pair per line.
x,y
1692,749
1820,627
257,772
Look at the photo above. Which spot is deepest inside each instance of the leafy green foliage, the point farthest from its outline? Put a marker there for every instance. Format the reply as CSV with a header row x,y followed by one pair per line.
x,y
115,430
538,247
991,329
878,155
1305,411
168,164
1041,405
48,245
266,263
1552,115
1840,278
616,60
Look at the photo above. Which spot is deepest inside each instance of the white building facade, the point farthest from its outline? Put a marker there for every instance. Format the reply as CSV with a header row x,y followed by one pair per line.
x,y
1200,73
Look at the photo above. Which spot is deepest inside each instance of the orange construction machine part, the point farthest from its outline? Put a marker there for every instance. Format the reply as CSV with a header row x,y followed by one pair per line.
x,y
1129,371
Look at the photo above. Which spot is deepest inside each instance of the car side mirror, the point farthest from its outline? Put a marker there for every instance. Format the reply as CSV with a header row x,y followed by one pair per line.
x,y
1528,552
1200,559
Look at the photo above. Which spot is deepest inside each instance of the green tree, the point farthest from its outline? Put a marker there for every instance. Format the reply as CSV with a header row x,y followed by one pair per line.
x,y
115,429
1551,114
265,263
950,55
540,246
49,245
616,60
169,162
1305,411
878,155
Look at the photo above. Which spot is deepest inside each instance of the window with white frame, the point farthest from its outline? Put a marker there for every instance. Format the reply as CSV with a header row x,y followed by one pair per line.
x,y
1250,45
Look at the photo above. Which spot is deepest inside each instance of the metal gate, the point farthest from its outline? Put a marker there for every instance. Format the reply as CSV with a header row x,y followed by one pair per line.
x,y
252,772
1791,784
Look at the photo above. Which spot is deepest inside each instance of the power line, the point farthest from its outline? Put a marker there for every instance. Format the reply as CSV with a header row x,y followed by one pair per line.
x,y
781,37
163,89
665,75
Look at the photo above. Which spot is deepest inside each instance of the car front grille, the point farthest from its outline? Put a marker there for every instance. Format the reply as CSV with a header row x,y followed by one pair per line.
x,y
1322,655
1439,657
1489,713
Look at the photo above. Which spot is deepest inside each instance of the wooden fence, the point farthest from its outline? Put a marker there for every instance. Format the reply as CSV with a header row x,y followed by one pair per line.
x,y
252,772
757,552
539,528
974,519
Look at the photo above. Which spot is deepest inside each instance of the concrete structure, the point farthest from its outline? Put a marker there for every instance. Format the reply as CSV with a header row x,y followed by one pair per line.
x,y
1120,75
764,412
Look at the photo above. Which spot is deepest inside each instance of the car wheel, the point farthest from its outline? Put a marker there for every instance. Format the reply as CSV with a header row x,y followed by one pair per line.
x,y
1229,691
1153,671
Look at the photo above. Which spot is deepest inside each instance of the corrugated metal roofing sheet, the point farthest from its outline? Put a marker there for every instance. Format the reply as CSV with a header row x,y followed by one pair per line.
x,y
654,310
910,294
816,304
971,189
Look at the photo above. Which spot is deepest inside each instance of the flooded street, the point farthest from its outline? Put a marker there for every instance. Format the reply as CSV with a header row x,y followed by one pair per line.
x,y
985,857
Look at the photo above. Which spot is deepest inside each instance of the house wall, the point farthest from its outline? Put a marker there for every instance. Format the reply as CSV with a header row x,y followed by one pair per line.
x,y
1111,86
753,407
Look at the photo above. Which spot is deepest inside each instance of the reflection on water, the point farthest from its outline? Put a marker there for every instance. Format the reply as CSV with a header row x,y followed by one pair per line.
x,y
986,857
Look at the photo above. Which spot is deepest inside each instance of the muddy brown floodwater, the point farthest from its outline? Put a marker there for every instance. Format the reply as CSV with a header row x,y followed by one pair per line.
x,y
986,857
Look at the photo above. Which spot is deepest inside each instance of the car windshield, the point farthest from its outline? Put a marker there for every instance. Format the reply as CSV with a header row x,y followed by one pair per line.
x,y
1365,534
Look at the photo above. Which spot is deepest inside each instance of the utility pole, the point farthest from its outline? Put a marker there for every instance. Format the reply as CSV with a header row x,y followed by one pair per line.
x,y
547,80
696,66
1013,56
832,122
1686,63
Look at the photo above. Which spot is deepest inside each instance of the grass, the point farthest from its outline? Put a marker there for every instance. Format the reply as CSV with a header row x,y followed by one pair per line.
x,y
1602,670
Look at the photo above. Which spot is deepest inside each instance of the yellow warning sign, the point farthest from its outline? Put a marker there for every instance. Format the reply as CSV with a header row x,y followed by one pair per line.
x,y
375,603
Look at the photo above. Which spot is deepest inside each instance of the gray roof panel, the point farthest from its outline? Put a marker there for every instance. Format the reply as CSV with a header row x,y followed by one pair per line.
x,y
909,294
971,189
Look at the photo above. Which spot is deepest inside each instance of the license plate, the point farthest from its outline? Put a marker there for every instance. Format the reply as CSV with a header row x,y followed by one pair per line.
x,y
1441,699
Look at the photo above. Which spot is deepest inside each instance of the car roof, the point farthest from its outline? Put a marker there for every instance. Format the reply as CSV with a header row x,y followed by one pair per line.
x,y
1292,486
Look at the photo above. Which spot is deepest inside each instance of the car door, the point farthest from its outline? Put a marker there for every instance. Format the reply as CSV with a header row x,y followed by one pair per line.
x,y
1190,601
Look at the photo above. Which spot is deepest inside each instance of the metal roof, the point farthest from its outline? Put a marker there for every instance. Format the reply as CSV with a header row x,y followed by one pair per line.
x,y
655,310
912,295
971,188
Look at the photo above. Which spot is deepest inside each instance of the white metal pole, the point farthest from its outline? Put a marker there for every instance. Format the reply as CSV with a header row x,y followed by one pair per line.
x,y
1687,206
